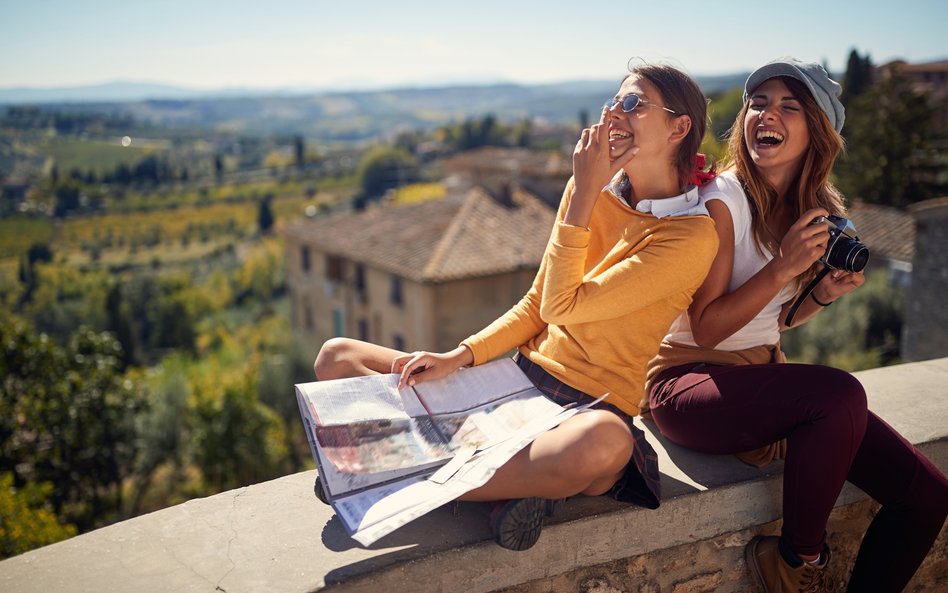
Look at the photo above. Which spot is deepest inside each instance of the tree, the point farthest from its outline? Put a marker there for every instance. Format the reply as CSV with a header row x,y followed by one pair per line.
x,y
383,168
26,521
299,149
237,440
858,77
67,198
67,417
265,214
889,127
119,322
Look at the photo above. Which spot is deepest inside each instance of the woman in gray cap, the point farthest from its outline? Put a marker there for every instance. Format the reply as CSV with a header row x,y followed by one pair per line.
x,y
716,385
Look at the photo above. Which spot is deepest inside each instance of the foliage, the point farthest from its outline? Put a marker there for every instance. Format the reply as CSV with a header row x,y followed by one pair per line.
x,y
722,110
887,127
26,522
861,331
419,192
19,233
858,77
237,440
265,218
383,168
67,418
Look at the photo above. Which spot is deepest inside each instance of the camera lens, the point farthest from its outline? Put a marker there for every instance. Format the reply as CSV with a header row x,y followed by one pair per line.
x,y
858,258
848,254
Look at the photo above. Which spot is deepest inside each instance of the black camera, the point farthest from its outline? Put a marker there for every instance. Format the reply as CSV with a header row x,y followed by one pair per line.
x,y
844,251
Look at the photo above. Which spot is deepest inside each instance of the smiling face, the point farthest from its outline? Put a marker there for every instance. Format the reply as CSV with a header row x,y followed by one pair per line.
x,y
775,130
647,127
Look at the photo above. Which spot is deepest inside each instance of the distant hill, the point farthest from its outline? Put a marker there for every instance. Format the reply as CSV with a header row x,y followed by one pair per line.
x,y
333,116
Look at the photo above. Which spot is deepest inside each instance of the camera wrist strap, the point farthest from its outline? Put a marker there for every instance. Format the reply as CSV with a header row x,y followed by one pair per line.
x,y
806,292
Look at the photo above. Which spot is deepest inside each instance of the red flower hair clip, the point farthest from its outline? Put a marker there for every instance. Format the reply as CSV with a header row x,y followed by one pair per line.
x,y
703,172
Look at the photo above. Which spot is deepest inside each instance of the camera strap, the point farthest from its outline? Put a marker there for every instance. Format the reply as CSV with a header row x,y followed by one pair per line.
x,y
806,292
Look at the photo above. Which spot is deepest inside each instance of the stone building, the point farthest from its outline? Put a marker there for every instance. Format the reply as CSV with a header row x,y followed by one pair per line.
x,y
925,330
543,174
419,276
890,235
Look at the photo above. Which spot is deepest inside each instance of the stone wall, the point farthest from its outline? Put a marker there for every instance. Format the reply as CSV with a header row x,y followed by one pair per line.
x,y
925,330
717,565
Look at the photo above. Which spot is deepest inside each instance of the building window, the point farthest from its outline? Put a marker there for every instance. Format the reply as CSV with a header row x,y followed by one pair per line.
x,y
364,330
398,342
304,258
307,317
335,268
338,323
396,297
358,283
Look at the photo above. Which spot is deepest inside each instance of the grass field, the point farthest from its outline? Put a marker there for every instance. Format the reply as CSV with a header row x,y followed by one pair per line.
x,y
98,156
17,234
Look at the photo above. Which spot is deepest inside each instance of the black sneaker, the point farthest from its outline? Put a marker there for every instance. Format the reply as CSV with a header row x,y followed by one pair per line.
x,y
516,524
320,493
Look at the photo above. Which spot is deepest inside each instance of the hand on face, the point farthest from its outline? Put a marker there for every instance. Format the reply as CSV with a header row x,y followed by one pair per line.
x,y
803,245
593,167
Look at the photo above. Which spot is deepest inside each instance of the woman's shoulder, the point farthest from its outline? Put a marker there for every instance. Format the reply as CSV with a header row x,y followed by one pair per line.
x,y
728,189
725,186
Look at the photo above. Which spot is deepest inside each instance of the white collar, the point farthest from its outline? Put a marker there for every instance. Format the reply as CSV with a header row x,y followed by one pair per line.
x,y
685,204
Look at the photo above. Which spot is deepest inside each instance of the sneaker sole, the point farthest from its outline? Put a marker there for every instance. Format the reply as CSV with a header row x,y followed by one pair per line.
x,y
319,492
518,527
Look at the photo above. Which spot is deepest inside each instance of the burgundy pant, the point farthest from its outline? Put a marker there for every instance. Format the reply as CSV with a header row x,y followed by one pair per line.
x,y
831,437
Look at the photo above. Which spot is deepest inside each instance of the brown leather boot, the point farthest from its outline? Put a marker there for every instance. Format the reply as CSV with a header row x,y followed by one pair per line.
x,y
774,574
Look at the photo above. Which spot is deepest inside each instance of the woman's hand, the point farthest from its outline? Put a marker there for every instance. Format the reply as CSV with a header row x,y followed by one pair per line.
x,y
426,366
836,284
803,244
592,170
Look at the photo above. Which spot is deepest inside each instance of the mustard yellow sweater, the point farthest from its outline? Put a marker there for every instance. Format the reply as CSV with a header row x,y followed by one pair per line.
x,y
604,298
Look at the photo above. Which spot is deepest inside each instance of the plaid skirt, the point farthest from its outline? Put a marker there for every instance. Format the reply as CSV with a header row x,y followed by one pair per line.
x,y
640,483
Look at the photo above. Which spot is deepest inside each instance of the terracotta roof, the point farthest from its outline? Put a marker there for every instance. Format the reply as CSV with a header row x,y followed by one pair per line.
x,y
888,232
458,237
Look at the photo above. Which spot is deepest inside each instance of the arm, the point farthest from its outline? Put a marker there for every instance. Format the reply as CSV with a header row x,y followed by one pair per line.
x,y
836,284
715,313
671,261
619,286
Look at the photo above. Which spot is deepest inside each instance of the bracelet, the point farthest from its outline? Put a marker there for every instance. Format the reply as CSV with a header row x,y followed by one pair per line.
x,y
817,301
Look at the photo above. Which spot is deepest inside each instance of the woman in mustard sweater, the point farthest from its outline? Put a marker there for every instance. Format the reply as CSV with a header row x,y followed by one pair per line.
x,y
630,247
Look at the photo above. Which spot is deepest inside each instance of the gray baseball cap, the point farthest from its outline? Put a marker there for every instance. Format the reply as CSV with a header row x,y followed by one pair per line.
x,y
824,89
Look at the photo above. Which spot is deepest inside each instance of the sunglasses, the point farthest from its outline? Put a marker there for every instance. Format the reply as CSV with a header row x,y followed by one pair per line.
x,y
630,102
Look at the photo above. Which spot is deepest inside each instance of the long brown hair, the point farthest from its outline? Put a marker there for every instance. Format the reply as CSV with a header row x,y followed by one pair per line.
x,y
682,95
812,188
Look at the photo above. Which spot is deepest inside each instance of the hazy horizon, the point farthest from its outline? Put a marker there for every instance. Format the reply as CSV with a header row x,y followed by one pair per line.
x,y
298,44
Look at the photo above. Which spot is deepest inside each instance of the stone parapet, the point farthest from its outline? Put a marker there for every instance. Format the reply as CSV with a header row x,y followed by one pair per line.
x,y
275,536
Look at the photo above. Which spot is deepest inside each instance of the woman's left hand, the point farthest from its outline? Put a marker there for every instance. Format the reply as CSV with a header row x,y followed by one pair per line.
x,y
426,366
836,284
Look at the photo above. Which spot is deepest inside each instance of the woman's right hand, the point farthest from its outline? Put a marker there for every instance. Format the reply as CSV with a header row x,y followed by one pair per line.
x,y
426,366
802,245
593,169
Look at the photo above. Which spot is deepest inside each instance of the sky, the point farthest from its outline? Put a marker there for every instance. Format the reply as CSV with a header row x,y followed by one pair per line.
x,y
354,44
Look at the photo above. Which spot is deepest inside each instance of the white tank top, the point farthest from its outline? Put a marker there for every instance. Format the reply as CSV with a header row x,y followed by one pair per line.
x,y
764,328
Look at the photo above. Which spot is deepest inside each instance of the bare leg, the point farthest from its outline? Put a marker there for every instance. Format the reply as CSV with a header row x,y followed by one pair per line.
x,y
341,358
586,454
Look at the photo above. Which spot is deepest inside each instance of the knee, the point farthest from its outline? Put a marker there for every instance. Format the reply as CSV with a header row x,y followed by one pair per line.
x,y
843,392
332,360
606,447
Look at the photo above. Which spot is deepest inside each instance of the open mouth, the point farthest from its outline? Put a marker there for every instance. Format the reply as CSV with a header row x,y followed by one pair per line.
x,y
769,137
619,135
